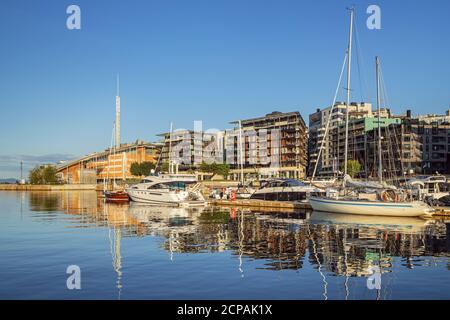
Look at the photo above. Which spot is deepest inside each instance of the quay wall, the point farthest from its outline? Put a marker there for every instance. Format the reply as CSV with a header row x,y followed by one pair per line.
x,y
38,187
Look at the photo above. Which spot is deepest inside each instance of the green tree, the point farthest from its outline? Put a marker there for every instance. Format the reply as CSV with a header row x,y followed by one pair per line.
x,y
44,174
164,167
146,168
49,174
135,169
141,169
222,169
353,167
35,176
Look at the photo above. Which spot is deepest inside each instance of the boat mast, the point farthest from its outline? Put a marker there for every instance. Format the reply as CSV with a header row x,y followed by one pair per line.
x,y
170,148
349,51
380,162
241,155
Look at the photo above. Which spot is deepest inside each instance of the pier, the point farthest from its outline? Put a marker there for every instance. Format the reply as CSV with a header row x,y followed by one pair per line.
x,y
262,204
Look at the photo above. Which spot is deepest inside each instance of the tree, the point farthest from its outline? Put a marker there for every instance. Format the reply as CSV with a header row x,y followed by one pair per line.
x,y
141,169
44,174
135,169
49,175
222,169
353,167
146,168
164,167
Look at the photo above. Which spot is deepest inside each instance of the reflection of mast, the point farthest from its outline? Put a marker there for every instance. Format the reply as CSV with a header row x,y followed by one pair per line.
x,y
115,252
325,283
347,292
241,239
117,262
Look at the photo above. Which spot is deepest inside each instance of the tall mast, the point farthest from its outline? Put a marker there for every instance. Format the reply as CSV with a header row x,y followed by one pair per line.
x,y
117,143
170,147
380,162
241,154
349,51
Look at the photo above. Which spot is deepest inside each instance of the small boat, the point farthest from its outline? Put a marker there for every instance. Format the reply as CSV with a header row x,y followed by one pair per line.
x,y
116,196
168,189
286,190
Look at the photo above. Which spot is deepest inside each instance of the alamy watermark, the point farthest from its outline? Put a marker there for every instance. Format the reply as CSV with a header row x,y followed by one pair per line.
x,y
374,20
74,280
235,146
374,280
73,21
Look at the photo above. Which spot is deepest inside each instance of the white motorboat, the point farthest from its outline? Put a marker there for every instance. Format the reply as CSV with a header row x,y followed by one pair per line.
x,y
168,189
432,187
286,190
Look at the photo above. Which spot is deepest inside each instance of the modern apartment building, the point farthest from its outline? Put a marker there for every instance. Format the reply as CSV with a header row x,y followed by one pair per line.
x,y
274,145
329,161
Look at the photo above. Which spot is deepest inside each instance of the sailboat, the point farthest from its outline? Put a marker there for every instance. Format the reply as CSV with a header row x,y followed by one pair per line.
x,y
384,200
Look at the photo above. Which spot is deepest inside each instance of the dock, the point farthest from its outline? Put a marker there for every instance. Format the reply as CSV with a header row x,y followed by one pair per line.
x,y
253,203
441,212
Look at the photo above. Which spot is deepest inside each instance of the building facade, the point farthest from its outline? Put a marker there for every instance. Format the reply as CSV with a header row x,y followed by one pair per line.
x,y
328,162
268,146
274,145
108,164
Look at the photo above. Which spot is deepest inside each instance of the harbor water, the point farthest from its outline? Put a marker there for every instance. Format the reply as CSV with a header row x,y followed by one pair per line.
x,y
135,251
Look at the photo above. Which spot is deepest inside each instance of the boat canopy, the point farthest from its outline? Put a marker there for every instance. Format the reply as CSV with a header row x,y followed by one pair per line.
x,y
350,183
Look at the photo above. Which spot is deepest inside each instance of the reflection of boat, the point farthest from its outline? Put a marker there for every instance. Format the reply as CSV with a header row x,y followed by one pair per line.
x,y
116,196
404,224
171,189
145,213
286,190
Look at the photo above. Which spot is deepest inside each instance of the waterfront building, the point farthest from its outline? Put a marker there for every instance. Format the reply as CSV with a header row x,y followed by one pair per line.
x,y
274,145
362,143
187,149
108,164
329,163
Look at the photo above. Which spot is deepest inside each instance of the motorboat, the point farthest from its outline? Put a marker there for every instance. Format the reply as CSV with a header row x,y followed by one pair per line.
x,y
286,190
429,188
168,189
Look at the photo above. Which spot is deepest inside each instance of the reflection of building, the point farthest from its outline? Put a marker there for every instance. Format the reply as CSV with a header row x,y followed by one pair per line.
x,y
342,248
108,164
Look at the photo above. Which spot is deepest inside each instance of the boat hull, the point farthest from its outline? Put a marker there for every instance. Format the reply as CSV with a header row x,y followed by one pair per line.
x,y
116,196
162,197
370,208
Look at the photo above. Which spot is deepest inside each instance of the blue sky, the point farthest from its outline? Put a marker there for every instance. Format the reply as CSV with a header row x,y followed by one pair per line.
x,y
210,60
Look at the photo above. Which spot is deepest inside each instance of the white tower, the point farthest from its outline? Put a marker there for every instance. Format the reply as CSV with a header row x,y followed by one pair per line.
x,y
117,115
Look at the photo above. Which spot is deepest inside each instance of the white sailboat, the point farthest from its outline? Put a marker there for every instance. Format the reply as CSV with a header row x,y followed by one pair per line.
x,y
386,201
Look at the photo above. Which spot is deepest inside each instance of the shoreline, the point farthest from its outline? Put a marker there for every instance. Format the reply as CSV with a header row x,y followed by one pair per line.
x,y
39,187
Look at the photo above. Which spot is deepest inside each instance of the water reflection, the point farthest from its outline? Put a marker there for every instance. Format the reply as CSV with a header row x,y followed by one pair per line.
x,y
336,245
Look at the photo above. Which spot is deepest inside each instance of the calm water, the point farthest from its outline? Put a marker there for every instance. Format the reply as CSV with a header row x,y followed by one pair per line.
x,y
141,252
